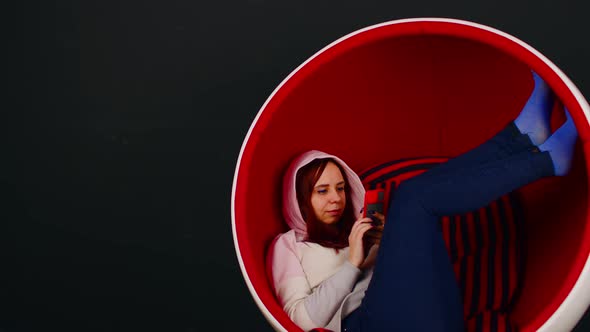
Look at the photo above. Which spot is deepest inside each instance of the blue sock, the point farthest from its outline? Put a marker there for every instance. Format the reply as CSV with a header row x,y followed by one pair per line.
x,y
534,119
561,146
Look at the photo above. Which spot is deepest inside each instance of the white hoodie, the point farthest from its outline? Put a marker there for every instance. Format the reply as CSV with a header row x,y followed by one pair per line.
x,y
316,286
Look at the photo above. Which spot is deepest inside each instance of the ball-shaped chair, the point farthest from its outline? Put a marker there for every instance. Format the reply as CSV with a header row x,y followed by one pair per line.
x,y
407,89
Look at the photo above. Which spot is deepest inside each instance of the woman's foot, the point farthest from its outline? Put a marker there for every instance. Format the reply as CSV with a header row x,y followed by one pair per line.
x,y
534,119
560,146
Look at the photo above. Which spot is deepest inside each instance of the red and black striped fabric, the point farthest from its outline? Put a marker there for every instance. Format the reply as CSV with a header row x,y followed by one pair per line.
x,y
490,320
484,247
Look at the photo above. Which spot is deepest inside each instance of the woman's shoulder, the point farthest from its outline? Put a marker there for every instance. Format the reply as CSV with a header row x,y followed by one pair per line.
x,y
284,259
286,239
284,245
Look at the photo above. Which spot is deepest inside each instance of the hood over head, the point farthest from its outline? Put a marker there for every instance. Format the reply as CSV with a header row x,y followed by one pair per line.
x,y
291,211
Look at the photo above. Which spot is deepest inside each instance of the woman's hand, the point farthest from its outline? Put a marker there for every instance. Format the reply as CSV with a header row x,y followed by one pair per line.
x,y
373,236
371,257
356,253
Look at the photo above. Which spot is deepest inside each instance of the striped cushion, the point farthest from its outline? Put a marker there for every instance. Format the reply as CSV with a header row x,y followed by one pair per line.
x,y
492,321
483,245
485,253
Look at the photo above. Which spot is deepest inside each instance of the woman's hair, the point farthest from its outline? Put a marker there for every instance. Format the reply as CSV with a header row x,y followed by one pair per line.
x,y
328,235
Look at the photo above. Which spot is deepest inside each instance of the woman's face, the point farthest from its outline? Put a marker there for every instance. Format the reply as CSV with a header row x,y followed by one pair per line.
x,y
328,197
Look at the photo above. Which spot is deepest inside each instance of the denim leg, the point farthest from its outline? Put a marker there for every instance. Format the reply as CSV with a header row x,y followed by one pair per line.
x,y
506,142
413,286
469,188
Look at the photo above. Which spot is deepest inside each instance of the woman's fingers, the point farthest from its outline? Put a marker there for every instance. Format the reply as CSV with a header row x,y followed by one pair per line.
x,y
357,238
358,230
355,241
363,228
361,224
361,221
374,233
380,217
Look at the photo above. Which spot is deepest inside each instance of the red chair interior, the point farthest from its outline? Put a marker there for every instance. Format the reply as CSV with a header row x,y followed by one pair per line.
x,y
406,91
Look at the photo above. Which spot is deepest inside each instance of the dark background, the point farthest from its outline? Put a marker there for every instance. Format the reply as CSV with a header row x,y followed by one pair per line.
x,y
119,156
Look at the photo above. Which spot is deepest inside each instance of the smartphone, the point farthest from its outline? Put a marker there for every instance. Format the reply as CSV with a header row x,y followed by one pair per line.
x,y
374,201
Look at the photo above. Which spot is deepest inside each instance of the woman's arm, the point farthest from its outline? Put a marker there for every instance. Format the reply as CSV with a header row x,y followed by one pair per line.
x,y
323,303
308,309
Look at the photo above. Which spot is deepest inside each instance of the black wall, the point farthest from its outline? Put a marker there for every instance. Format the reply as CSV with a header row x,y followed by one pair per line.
x,y
124,124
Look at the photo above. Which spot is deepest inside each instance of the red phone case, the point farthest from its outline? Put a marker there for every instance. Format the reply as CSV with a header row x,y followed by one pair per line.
x,y
374,201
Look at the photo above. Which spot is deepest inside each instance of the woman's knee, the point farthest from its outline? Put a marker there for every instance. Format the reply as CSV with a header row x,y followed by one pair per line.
x,y
409,196
408,190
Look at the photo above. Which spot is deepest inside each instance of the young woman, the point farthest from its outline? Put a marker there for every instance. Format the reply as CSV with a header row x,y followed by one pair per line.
x,y
320,272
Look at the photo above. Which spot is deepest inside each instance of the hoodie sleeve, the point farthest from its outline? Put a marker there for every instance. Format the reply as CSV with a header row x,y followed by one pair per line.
x,y
306,307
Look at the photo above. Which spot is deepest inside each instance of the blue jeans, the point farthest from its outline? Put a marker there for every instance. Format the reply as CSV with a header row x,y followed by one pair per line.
x,y
413,287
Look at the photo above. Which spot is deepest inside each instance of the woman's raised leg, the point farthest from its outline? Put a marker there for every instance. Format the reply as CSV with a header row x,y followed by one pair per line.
x,y
413,286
